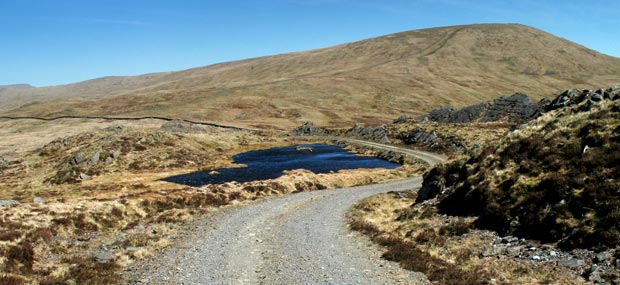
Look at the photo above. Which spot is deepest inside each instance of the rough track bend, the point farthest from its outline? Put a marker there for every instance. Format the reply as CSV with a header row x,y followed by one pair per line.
x,y
295,239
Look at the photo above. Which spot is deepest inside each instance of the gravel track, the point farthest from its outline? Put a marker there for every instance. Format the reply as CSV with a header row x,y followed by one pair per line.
x,y
296,239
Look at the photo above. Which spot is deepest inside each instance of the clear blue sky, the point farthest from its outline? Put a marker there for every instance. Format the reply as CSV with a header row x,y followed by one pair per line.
x,y
49,42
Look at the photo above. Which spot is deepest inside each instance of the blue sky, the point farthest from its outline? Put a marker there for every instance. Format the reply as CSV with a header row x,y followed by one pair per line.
x,y
50,42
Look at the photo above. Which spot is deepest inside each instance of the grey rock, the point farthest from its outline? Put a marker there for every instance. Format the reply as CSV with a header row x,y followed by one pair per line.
x,y
431,140
103,257
493,251
108,160
115,154
553,253
78,158
95,157
515,108
38,200
441,115
596,97
308,129
378,134
604,256
84,176
4,204
595,274
468,114
430,191
572,263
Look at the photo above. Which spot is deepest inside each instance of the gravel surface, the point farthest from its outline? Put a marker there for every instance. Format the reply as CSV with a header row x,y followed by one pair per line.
x,y
296,239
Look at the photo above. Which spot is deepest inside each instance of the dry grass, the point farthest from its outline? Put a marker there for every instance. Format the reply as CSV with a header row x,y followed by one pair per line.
x,y
368,81
543,183
481,134
124,208
446,249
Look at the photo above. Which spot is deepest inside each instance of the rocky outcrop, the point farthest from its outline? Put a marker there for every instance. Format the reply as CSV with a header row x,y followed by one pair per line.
x,y
515,108
432,141
440,181
574,97
308,129
378,134
530,199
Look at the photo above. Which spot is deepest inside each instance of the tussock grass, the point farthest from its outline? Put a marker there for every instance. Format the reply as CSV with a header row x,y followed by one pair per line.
x,y
125,210
446,249
555,181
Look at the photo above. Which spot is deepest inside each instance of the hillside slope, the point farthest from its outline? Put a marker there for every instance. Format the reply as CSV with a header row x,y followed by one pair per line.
x,y
369,81
555,180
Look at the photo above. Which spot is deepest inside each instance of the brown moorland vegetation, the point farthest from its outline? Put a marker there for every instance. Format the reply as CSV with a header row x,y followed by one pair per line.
x,y
369,81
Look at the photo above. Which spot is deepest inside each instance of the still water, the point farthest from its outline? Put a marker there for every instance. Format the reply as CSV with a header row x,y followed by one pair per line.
x,y
270,163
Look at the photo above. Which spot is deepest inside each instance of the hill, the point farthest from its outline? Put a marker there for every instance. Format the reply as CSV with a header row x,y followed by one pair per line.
x,y
369,81
554,180
15,87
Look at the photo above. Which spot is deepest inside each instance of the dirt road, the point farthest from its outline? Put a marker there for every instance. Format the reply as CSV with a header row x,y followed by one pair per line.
x,y
296,239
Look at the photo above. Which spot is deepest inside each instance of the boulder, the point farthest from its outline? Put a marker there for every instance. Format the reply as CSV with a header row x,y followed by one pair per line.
x,y
378,134
38,200
78,158
95,157
84,176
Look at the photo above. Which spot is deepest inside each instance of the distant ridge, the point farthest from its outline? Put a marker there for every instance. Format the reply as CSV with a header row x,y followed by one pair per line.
x,y
15,87
369,81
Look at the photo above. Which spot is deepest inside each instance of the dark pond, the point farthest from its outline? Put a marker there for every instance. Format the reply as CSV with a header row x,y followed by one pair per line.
x,y
269,164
